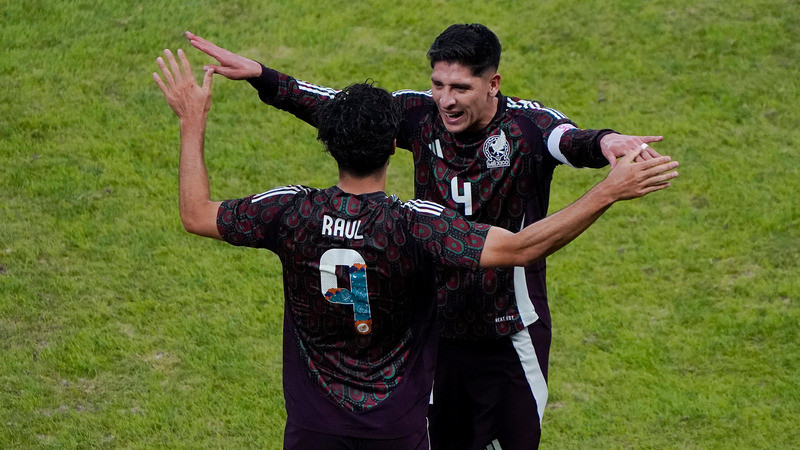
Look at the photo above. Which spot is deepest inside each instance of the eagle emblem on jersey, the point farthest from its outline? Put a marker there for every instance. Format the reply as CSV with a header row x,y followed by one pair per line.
x,y
496,150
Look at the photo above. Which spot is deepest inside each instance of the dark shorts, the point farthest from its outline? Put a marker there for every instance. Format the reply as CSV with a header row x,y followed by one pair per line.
x,y
296,438
486,392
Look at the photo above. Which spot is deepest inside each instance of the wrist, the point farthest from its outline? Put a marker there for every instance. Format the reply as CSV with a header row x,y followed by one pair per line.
x,y
193,120
603,193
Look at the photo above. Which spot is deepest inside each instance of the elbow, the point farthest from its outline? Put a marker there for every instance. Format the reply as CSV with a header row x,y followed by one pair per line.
x,y
190,224
193,222
201,221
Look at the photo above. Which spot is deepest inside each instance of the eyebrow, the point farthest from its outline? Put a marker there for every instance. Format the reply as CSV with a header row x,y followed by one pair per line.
x,y
453,85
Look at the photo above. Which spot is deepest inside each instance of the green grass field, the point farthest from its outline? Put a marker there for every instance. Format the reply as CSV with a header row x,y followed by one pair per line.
x,y
676,316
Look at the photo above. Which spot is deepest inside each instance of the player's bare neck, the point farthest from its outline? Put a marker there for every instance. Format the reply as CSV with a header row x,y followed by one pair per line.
x,y
355,185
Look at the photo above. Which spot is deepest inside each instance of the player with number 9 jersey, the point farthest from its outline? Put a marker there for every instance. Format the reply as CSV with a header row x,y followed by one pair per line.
x,y
359,281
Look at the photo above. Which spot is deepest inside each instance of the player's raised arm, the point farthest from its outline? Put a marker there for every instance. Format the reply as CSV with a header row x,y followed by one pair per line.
x,y
191,104
627,180
231,65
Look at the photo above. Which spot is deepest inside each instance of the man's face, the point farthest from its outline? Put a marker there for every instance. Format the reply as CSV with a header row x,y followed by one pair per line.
x,y
466,102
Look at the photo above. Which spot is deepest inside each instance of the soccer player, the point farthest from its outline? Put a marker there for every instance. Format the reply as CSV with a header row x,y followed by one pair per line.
x,y
491,157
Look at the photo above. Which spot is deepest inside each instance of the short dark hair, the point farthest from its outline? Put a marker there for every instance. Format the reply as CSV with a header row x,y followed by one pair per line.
x,y
471,45
358,127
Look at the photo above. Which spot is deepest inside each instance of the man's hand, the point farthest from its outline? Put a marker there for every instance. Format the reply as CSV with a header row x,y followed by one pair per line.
x,y
191,104
187,99
630,179
231,65
616,145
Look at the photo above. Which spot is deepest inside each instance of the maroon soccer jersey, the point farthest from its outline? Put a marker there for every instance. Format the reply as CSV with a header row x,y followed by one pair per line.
x,y
359,281
500,176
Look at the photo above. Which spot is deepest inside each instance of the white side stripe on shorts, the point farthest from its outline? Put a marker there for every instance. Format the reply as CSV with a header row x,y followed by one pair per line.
x,y
533,371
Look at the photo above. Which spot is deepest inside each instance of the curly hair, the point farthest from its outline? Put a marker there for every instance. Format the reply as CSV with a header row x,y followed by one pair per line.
x,y
472,45
358,127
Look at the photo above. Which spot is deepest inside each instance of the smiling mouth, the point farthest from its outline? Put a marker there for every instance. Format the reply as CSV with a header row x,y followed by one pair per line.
x,y
453,116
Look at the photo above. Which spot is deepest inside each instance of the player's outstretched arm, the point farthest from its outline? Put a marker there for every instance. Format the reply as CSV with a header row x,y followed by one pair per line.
x,y
191,104
627,180
231,65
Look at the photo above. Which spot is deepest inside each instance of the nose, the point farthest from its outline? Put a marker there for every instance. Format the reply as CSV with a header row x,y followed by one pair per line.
x,y
446,100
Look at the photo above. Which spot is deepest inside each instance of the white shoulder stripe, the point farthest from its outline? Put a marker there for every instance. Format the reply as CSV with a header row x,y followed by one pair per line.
x,y
425,207
527,104
283,190
314,89
409,91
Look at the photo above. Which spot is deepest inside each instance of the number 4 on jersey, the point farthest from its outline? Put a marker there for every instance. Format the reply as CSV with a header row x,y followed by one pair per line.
x,y
462,194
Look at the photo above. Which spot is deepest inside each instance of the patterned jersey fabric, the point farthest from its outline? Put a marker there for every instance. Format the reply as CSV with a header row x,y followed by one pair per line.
x,y
358,275
500,176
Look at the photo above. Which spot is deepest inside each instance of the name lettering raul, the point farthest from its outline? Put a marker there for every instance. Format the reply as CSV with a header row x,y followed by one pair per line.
x,y
341,228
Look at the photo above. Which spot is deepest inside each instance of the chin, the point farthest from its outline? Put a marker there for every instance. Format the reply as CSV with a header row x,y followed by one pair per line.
x,y
454,129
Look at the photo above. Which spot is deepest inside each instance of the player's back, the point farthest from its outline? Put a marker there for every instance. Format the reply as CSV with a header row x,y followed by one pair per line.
x,y
360,298
359,289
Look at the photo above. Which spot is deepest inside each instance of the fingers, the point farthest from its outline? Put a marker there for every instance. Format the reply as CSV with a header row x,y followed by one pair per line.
x,y
160,83
647,139
222,70
631,155
187,68
164,71
649,152
175,74
173,65
203,45
209,76
612,160
656,170
654,162
654,188
662,178
655,182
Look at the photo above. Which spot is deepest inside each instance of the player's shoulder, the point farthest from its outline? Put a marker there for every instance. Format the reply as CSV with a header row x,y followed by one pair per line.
x,y
423,207
409,99
283,193
412,93
531,108
429,212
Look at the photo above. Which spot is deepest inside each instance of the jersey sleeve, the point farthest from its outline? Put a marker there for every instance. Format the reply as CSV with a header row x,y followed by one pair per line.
x,y
565,142
289,94
581,148
447,237
254,221
415,107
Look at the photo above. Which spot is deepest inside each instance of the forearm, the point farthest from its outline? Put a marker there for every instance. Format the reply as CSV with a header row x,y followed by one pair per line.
x,y
198,212
548,235
300,98
581,148
542,238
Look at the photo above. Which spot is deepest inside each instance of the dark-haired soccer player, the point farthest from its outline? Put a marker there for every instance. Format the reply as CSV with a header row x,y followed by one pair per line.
x,y
359,340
